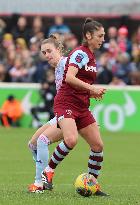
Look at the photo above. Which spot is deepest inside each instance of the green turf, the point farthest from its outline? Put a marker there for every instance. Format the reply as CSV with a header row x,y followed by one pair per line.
x,y
120,174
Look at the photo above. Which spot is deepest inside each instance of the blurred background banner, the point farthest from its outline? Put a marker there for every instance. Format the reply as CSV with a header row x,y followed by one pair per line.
x,y
27,75
66,7
27,94
118,111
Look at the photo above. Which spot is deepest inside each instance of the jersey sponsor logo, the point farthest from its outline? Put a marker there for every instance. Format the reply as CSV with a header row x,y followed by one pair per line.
x,y
90,68
79,58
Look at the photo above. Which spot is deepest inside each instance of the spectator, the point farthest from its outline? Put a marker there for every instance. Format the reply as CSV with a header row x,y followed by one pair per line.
x,y
113,49
123,42
20,45
112,32
18,72
136,36
11,112
7,47
70,42
123,67
111,35
59,26
116,80
136,56
21,30
135,78
34,46
7,40
104,74
31,69
10,59
38,30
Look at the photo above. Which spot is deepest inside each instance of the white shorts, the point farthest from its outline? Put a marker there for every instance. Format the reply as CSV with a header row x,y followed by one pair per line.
x,y
52,121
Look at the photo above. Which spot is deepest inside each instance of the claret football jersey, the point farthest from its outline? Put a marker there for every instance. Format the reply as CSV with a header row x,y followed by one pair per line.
x,y
83,59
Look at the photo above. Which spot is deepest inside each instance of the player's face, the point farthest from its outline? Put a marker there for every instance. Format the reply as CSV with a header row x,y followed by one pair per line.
x,y
51,53
97,38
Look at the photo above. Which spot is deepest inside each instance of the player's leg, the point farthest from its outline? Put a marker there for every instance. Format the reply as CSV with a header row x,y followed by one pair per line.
x,y
43,154
39,132
70,135
50,135
92,136
37,185
44,138
32,144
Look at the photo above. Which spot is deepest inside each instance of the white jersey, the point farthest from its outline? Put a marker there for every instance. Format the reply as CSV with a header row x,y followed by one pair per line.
x,y
59,71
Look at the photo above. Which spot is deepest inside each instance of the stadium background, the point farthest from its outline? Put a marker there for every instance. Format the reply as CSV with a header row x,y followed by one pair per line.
x,y
118,114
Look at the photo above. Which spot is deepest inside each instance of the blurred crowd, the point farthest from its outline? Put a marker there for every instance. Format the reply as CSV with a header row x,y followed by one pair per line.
x,y
118,61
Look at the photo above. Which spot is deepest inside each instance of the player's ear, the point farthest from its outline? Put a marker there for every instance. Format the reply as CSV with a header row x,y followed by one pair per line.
x,y
88,36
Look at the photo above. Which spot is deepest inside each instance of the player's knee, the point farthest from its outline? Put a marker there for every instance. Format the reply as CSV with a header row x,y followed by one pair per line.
x,y
71,141
31,146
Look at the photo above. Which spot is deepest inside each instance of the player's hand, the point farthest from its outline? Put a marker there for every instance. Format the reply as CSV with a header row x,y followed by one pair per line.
x,y
97,93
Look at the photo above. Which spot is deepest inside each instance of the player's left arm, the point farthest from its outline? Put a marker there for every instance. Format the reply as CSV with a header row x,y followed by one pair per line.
x,y
72,80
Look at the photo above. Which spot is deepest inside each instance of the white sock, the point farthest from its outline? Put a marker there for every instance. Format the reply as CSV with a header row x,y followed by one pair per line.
x,y
42,156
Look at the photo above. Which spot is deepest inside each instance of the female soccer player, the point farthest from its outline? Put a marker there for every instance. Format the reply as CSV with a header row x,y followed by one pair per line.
x,y
71,104
52,49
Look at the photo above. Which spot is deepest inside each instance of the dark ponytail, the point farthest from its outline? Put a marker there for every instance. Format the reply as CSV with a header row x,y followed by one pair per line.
x,y
88,20
90,26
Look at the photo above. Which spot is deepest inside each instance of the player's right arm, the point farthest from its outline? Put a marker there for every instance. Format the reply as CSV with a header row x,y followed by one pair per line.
x,y
72,80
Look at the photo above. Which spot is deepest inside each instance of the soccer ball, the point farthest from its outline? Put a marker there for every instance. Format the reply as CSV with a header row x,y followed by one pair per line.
x,y
86,184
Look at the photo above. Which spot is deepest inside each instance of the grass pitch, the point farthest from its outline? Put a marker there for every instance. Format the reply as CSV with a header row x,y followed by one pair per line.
x,y
120,174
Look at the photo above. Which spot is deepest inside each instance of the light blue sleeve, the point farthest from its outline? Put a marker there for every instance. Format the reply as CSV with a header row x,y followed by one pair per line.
x,y
79,58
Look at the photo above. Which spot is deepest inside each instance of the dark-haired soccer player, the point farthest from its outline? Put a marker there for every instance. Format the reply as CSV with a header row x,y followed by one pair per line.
x,y
71,103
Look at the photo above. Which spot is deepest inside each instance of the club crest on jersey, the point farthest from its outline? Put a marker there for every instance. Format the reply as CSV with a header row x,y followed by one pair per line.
x,y
79,58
